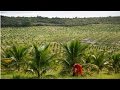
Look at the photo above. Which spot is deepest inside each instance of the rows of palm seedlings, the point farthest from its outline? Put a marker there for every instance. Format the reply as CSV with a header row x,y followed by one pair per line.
x,y
43,60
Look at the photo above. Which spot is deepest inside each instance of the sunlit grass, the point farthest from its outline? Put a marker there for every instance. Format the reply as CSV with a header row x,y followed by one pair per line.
x,y
22,75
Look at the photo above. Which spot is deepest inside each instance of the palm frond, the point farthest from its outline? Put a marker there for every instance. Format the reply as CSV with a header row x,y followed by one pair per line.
x,y
74,50
15,52
37,56
41,59
67,49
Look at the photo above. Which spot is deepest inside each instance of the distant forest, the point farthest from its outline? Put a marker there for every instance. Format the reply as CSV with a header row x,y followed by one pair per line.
x,y
45,21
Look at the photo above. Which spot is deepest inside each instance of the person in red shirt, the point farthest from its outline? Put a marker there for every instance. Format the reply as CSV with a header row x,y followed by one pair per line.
x,y
77,70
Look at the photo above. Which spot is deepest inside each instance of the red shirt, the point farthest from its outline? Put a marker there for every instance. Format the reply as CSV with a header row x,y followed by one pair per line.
x,y
77,68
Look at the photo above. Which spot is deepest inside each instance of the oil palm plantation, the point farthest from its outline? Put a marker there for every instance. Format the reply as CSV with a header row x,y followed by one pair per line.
x,y
41,59
73,52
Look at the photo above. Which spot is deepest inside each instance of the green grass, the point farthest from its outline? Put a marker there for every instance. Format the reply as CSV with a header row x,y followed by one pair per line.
x,y
94,76
17,75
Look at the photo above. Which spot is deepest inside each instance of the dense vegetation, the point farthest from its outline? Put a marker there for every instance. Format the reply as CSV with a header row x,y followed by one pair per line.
x,y
49,49
43,21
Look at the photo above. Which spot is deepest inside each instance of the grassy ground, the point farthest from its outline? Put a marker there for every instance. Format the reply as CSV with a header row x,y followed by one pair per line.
x,y
21,75
96,76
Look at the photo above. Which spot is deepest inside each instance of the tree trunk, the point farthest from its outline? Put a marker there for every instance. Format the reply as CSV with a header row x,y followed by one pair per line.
x,y
98,71
38,74
18,67
116,70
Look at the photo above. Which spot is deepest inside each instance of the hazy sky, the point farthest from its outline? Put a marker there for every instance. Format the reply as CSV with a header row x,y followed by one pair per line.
x,y
69,14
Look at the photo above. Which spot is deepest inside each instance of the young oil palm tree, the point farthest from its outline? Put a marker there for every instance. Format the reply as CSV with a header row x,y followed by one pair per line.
x,y
73,52
116,62
6,58
18,53
41,60
99,60
88,65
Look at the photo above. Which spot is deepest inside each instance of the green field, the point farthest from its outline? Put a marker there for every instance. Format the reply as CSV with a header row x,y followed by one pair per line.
x,y
99,36
106,34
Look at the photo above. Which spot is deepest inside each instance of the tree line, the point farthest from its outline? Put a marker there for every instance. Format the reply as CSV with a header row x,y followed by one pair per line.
x,y
56,21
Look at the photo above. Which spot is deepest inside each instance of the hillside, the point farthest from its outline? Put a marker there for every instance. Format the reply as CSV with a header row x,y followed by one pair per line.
x,y
45,21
